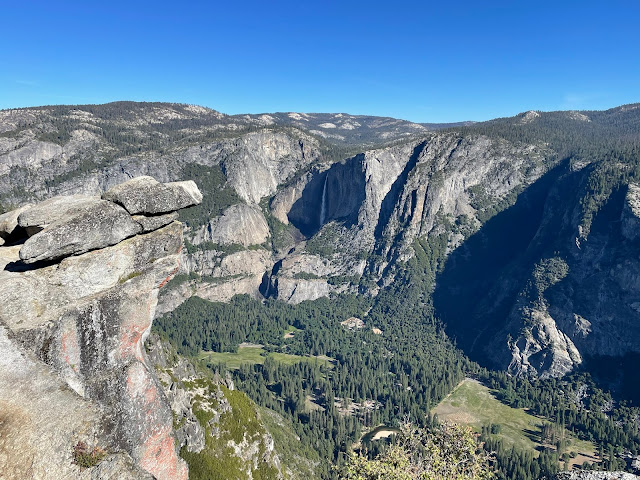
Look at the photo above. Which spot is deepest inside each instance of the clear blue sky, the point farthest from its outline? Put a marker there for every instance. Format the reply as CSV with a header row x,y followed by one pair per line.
x,y
423,61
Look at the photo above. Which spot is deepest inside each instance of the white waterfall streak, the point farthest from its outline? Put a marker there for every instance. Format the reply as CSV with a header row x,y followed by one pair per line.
x,y
323,206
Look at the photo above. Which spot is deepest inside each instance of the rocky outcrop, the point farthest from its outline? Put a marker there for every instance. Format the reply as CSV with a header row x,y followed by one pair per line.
x,y
218,276
41,420
283,201
147,196
91,225
301,276
214,420
543,349
303,263
296,290
54,209
255,167
239,224
81,323
9,224
154,222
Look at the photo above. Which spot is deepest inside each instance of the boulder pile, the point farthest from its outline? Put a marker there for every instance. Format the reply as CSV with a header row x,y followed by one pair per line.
x,y
72,225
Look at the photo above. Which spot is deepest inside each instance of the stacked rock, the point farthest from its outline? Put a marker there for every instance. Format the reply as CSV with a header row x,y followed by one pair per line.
x,y
72,225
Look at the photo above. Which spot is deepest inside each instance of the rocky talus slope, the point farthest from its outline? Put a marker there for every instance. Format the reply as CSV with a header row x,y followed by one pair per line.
x,y
219,430
78,290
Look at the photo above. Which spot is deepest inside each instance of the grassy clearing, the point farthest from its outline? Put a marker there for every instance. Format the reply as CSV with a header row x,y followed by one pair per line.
x,y
251,355
471,403
291,331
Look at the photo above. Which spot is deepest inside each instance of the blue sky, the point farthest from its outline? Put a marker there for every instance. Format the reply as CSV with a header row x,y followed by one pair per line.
x,y
422,61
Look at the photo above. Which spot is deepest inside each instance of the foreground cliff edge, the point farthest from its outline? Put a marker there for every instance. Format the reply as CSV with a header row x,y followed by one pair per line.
x,y
79,284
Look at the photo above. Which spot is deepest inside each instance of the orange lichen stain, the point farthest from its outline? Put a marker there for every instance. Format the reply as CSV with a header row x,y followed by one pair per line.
x,y
164,282
140,384
151,394
129,340
132,329
159,457
157,453
135,377
70,349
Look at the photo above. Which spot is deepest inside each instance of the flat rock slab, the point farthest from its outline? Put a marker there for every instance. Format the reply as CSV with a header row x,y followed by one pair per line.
x,y
145,195
54,209
154,222
93,225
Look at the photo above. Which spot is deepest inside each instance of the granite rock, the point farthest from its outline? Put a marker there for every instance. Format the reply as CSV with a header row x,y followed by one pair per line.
x,y
9,222
154,222
92,225
72,332
145,195
54,209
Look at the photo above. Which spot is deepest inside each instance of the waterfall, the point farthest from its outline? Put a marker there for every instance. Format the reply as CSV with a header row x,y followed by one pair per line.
x,y
323,205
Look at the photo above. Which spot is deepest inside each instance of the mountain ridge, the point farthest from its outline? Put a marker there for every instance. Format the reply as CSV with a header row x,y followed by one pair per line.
x,y
481,234
378,202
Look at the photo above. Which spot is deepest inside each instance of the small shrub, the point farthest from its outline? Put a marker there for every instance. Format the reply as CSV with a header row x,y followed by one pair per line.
x,y
129,277
446,452
86,457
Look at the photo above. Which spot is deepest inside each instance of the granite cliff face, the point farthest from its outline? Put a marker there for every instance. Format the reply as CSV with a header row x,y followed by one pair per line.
x,y
534,294
388,197
79,288
88,150
291,210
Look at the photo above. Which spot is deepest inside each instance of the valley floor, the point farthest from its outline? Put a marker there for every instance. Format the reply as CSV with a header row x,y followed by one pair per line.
x,y
252,354
472,403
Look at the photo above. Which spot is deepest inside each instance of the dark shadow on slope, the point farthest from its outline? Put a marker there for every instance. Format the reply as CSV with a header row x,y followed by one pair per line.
x,y
268,286
481,278
594,290
619,375
19,266
589,276
344,192
532,435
